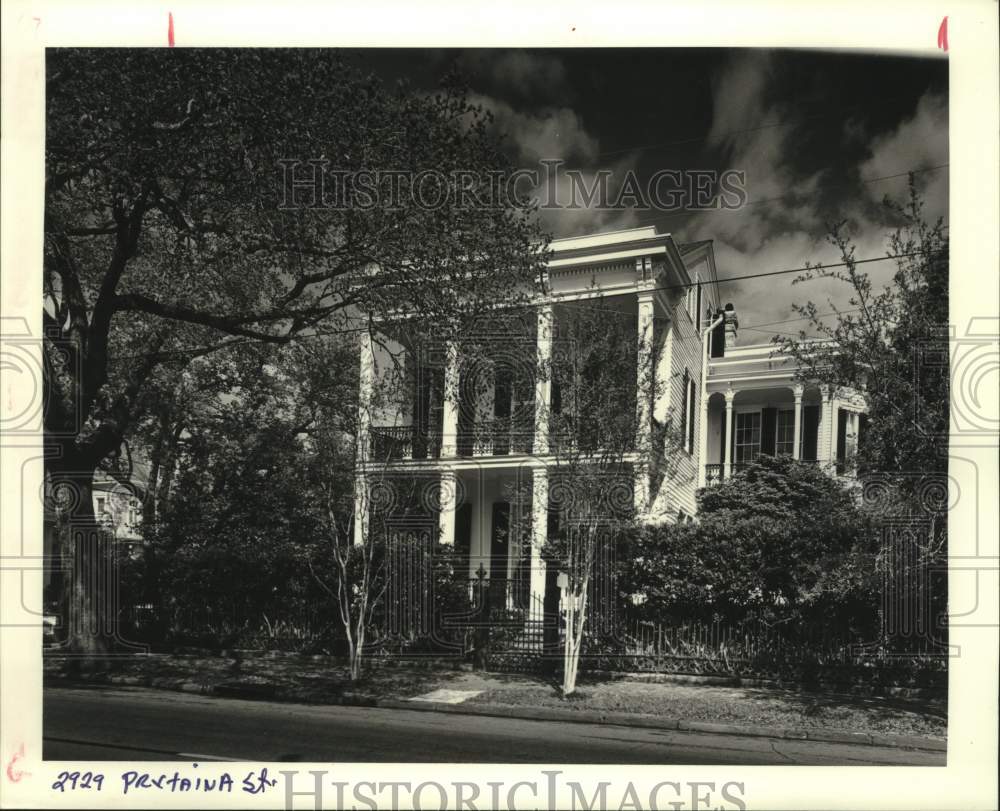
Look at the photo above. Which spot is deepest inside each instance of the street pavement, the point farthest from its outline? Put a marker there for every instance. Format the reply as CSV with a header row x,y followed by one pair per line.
x,y
89,723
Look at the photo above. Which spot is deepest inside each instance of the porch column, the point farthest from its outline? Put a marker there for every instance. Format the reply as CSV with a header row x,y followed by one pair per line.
x,y
644,391
446,516
728,465
366,386
834,432
797,440
644,371
449,422
543,378
824,440
539,535
361,516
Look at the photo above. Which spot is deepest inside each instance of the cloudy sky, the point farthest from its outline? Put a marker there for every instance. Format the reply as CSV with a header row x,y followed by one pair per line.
x,y
821,136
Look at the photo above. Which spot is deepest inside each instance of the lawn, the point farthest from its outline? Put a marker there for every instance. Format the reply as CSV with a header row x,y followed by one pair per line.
x,y
324,680
783,708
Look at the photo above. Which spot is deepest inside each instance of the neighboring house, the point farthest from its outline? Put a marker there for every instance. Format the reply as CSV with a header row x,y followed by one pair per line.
x,y
480,457
117,507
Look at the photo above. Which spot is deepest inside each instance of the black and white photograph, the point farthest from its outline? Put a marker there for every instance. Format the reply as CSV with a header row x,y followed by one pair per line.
x,y
496,405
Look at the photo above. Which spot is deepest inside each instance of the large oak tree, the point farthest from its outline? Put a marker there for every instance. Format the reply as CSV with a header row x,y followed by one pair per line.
x,y
170,233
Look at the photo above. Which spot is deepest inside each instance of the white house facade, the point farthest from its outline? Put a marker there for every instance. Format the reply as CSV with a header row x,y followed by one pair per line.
x,y
481,458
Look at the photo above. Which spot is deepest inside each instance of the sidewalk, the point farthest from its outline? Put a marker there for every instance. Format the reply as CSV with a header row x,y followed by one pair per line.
x,y
756,711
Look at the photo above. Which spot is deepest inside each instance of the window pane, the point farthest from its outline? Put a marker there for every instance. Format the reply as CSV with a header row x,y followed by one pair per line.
x,y
785,438
747,436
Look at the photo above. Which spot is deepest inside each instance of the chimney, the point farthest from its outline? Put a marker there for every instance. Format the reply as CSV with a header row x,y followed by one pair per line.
x,y
732,324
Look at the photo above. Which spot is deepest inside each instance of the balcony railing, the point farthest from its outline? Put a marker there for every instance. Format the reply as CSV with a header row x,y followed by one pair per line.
x,y
390,442
496,437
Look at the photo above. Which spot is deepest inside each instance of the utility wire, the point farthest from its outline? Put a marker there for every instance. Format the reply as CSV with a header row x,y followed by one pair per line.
x,y
863,182
807,268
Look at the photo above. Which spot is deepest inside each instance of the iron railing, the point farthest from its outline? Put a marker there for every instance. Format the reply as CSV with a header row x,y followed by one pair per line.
x,y
392,442
496,437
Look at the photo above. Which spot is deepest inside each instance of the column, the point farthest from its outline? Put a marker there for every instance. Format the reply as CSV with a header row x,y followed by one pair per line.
x,y
543,378
446,515
366,386
644,389
644,372
728,468
825,449
797,439
834,431
361,516
539,535
449,421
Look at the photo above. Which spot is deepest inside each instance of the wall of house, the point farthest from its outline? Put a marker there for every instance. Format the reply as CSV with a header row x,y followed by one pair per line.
x,y
677,489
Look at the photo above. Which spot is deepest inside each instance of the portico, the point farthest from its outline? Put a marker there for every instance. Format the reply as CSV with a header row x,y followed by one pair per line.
x,y
755,405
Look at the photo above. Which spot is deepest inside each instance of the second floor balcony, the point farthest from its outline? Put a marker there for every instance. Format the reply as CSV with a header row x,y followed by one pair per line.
x,y
494,437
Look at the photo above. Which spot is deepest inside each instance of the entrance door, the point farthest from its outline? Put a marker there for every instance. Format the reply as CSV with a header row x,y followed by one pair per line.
x,y
499,551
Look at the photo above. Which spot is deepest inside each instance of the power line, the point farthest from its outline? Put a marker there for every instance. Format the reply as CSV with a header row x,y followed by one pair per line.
x,y
863,182
591,307
807,268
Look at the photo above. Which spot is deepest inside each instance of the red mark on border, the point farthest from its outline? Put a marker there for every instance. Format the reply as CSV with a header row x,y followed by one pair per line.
x,y
170,29
15,776
943,35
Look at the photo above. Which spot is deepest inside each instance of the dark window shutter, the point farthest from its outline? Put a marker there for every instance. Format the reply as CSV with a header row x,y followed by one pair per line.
x,y
718,348
555,396
862,429
552,530
810,431
841,439
463,532
722,440
768,430
691,413
684,409
502,391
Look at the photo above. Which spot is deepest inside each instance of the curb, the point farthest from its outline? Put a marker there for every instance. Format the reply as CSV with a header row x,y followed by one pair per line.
x,y
269,692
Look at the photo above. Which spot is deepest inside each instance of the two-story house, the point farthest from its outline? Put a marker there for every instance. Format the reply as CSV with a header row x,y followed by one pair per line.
x,y
469,444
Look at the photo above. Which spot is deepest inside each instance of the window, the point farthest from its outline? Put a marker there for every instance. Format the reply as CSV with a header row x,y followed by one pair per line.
x,y
687,413
747,445
785,437
100,507
692,300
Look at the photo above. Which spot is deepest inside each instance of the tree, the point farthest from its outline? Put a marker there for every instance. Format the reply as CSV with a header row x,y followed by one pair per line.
x,y
227,540
889,346
780,541
597,411
894,348
172,232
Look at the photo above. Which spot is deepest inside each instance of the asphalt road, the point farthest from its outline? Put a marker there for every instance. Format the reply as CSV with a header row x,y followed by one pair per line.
x,y
135,724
